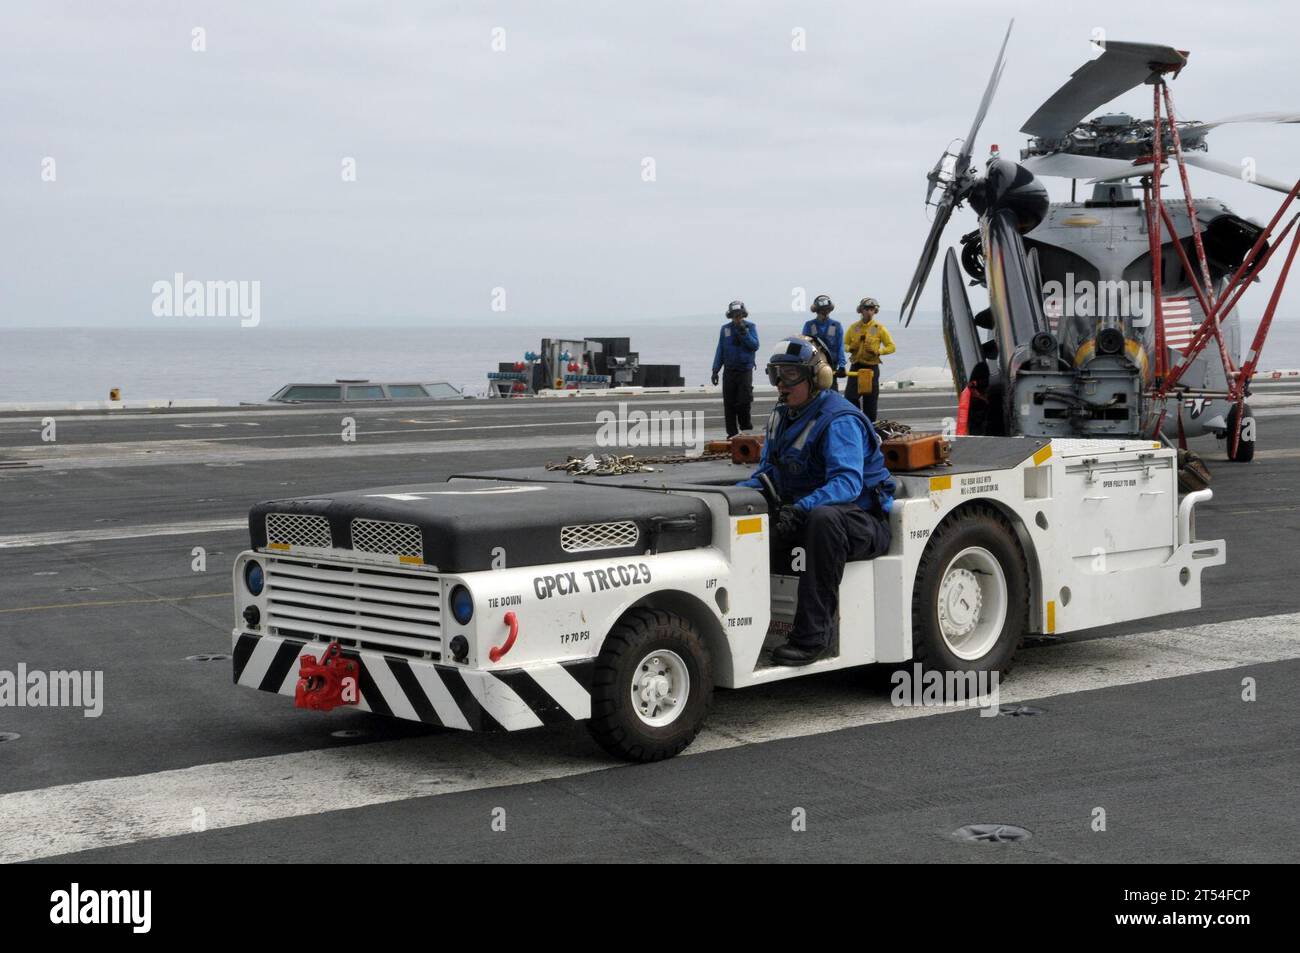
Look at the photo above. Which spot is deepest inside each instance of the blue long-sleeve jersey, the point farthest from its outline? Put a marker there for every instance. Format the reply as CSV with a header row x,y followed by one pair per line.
x,y
831,333
828,453
736,347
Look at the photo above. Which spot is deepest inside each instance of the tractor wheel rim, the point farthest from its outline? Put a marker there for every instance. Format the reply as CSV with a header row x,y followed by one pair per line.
x,y
972,603
661,685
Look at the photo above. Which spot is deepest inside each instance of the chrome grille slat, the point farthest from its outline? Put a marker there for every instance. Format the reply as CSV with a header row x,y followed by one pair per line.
x,y
282,596
371,577
372,608
358,622
402,598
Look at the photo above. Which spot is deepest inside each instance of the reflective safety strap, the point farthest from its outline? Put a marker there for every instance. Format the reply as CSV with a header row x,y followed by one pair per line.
x,y
802,439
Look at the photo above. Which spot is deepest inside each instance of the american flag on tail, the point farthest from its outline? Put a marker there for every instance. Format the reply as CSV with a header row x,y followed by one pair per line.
x,y
1179,323
1179,327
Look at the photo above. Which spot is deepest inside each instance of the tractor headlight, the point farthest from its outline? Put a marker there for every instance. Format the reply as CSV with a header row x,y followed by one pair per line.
x,y
254,577
462,605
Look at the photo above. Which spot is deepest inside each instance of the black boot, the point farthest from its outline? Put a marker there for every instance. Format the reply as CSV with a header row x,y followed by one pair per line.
x,y
793,654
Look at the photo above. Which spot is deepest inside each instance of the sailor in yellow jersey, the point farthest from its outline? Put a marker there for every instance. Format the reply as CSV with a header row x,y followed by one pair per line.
x,y
866,342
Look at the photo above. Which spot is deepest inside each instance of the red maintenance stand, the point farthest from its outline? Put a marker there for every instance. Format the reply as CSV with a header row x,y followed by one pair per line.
x,y
1165,382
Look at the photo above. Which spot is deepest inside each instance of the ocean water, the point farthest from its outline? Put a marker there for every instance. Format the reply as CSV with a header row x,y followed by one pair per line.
x,y
235,364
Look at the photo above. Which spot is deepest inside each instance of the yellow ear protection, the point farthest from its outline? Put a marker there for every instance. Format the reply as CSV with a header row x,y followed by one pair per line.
x,y
824,374
821,376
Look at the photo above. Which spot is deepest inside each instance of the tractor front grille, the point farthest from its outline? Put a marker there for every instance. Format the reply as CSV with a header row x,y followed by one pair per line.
x,y
359,606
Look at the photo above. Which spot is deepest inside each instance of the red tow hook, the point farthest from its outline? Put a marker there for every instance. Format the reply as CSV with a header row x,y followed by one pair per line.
x,y
497,651
326,684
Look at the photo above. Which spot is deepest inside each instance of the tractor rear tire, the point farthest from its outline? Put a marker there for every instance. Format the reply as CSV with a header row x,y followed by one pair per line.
x,y
970,605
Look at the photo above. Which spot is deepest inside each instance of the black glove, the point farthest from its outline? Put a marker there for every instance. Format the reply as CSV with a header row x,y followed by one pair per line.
x,y
789,521
715,378
841,372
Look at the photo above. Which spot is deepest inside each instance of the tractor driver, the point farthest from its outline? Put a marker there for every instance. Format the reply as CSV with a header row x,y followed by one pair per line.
x,y
823,459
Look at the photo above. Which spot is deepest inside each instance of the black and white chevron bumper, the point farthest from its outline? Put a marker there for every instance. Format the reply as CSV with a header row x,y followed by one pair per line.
x,y
447,695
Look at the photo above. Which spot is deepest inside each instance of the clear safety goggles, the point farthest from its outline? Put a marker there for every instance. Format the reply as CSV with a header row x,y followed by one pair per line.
x,y
790,374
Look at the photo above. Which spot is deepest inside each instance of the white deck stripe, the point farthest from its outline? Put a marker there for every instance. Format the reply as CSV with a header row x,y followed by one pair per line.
x,y
74,817
386,682
259,661
564,688
436,691
502,703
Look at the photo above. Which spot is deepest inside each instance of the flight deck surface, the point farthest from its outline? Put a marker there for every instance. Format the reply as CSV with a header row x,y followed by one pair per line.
x,y
100,540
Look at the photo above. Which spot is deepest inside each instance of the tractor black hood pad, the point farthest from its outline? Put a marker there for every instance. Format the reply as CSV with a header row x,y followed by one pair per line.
x,y
462,524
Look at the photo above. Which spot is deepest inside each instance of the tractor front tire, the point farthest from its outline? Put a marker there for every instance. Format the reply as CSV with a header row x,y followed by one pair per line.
x,y
652,686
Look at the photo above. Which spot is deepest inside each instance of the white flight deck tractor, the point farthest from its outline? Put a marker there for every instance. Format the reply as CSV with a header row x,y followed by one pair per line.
x,y
517,598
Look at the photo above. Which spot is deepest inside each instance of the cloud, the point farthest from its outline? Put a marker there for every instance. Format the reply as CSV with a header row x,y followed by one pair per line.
x,y
522,168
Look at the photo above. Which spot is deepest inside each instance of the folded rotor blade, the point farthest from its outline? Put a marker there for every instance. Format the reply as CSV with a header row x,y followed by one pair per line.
x,y
1070,166
928,254
955,190
1237,172
968,144
1209,165
1200,128
1120,68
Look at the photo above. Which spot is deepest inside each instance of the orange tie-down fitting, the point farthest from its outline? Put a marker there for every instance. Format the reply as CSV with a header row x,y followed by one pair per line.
x,y
326,684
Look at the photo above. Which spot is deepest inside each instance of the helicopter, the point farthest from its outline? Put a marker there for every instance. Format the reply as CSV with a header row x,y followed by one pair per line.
x,y
1102,312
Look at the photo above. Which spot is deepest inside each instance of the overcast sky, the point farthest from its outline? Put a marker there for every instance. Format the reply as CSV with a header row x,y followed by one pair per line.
x,y
522,169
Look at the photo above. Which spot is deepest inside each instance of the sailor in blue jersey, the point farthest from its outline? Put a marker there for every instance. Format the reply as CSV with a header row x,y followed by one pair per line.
x,y
734,357
829,334
823,458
